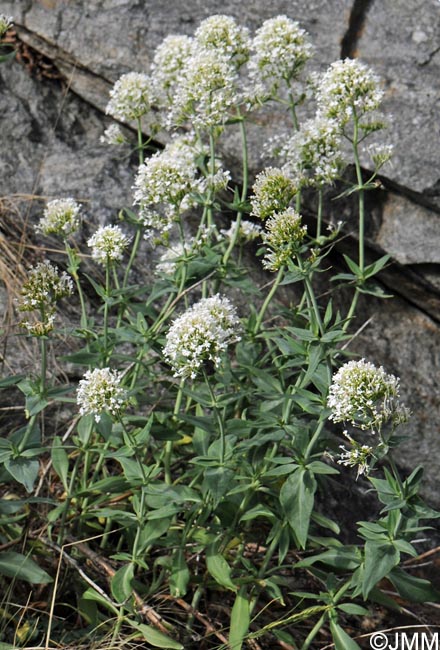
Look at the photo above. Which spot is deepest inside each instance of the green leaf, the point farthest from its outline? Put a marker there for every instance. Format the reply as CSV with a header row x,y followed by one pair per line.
x,y
240,619
352,608
11,381
20,567
346,558
354,268
219,569
122,583
416,590
297,498
23,470
60,461
380,559
92,594
341,638
154,637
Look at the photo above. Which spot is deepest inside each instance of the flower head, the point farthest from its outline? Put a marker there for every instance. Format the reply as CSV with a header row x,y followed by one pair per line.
x,y
248,231
108,244
284,236
170,258
169,59
163,185
222,34
273,192
6,23
130,97
346,89
100,391
313,154
43,288
206,91
357,456
113,135
60,217
281,50
365,396
201,335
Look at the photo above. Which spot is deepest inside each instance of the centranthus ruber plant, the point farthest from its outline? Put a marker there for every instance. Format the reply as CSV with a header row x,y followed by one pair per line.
x,y
180,496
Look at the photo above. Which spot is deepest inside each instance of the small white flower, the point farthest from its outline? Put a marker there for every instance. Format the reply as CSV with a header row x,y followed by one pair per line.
x,y
163,186
222,34
130,97
6,22
346,89
60,217
313,154
201,335
100,391
108,244
113,135
357,456
284,236
380,154
248,231
44,287
168,62
281,49
206,91
170,258
273,192
365,396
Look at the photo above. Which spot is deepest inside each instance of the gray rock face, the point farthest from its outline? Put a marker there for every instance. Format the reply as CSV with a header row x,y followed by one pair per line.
x,y
50,146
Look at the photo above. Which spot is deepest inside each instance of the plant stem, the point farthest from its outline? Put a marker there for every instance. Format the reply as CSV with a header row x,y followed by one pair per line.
x,y
268,299
106,309
244,191
220,423
169,443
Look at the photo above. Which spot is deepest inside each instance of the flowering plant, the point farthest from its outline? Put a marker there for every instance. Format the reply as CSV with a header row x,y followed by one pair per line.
x,y
212,415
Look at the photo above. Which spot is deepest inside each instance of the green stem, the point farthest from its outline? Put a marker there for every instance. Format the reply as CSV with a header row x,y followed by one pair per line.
x,y
313,440
311,298
43,343
244,191
292,108
169,443
219,419
268,299
106,309
313,632
319,216
361,233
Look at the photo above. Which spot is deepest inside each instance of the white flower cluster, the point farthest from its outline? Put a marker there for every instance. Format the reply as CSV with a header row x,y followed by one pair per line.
x,y
6,23
380,154
281,49
113,135
273,191
201,335
357,456
43,288
170,258
60,217
365,396
163,186
346,89
248,231
313,154
169,59
207,90
130,97
222,34
100,391
108,244
284,236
